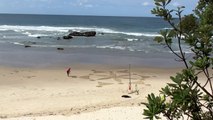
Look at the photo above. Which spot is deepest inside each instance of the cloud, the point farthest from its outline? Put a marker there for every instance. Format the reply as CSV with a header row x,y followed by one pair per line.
x,y
82,3
176,4
145,3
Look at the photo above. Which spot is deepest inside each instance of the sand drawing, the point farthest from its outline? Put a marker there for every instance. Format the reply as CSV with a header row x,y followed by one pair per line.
x,y
101,84
121,76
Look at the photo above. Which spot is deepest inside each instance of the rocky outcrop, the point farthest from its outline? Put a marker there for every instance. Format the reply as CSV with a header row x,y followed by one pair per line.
x,y
86,34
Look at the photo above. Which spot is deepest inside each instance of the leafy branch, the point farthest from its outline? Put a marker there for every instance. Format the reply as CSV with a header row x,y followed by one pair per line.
x,y
186,96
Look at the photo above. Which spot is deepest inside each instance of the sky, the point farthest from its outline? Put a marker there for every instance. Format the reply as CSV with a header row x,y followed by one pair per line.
x,y
88,7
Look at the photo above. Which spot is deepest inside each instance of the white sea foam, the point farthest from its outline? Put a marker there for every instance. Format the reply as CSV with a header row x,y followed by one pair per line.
x,y
187,51
17,43
77,46
111,47
23,29
131,39
168,28
2,29
37,35
18,28
142,34
26,33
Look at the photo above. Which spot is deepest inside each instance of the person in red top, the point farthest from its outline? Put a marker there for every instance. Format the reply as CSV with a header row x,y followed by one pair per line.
x,y
68,71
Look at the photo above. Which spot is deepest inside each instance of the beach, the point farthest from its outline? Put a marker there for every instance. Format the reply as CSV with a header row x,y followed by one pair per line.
x,y
40,93
34,59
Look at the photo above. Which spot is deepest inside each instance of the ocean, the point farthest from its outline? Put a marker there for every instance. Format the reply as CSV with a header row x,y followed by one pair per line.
x,y
118,36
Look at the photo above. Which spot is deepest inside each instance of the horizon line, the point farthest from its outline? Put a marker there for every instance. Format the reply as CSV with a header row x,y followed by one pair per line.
x,y
76,15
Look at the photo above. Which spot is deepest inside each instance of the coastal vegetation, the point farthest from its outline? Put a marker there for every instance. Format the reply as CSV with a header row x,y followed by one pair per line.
x,y
186,97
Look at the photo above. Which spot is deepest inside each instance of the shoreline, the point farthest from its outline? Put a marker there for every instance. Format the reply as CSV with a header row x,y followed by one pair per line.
x,y
35,57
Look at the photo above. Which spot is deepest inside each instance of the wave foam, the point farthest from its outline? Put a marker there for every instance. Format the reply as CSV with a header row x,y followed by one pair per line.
x,y
18,28
131,39
111,47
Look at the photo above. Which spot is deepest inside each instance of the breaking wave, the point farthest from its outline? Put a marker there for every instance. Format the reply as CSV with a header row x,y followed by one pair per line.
x,y
26,29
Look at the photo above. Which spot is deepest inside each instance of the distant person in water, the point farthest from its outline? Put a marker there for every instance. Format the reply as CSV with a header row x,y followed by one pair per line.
x,y
68,71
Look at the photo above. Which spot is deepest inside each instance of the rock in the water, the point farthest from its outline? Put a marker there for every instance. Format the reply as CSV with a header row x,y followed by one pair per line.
x,y
90,34
58,38
67,37
38,37
26,46
101,33
60,48
86,34
76,34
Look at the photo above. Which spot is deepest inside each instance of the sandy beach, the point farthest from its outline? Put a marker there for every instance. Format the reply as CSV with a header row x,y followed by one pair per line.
x,y
91,92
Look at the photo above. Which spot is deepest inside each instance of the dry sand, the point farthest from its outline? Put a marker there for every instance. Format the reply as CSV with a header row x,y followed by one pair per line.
x,y
90,93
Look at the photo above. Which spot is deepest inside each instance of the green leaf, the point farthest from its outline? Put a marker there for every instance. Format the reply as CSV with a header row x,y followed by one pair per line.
x,y
168,2
158,4
172,85
172,33
158,39
154,106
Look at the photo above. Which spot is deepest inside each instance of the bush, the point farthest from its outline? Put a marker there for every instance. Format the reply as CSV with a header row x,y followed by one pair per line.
x,y
186,97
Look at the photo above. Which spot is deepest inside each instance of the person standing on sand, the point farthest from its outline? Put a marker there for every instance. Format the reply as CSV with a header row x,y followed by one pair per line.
x,y
68,71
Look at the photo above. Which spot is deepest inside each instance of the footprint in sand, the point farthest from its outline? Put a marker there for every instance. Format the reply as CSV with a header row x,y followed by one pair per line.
x,y
85,77
123,71
96,71
138,82
104,78
101,84
147,84
73,76
29,77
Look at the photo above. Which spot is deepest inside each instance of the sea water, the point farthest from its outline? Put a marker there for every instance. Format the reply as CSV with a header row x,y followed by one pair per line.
x,y
124,35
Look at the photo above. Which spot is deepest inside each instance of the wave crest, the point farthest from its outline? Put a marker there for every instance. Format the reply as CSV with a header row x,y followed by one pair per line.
x,y
18,28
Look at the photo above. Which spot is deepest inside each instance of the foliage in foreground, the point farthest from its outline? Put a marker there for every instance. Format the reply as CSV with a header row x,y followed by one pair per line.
x,y
185,97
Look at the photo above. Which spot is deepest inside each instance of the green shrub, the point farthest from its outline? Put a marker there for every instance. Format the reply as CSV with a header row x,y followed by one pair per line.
x,y
185,97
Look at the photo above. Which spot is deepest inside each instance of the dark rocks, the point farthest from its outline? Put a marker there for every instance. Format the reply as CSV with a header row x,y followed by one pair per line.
x,y
58,38
101,33
67,37
26,46
76,34
90,34
86,34
60,48
29,44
